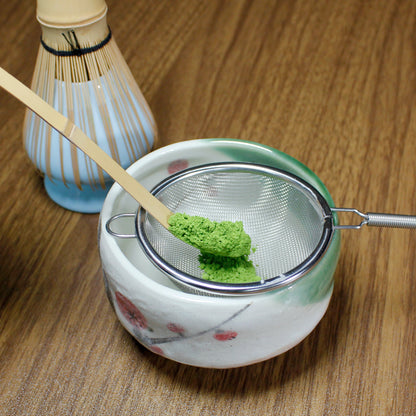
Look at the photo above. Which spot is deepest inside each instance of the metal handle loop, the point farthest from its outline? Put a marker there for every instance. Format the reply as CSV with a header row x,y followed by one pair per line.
x,y
351,227
114,233
373,219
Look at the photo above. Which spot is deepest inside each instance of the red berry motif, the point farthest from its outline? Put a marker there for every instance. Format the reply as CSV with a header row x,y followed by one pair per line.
x,y
156,350
175,328
177,165
130,312
225,335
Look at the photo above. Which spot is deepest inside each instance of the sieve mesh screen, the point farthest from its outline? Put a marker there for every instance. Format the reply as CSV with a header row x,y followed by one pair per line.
x,y
283,218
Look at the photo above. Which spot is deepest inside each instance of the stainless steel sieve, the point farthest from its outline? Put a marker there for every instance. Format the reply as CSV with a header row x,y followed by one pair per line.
x,y
290,223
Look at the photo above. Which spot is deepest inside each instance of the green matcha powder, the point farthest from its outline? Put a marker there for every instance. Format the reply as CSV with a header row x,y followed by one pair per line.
x,y
224,247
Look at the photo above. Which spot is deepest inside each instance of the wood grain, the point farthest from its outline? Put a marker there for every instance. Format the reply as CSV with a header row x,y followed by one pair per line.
x,y
331,83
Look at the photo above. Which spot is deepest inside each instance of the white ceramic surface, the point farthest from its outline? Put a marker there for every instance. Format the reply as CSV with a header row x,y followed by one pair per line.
x,y
205,331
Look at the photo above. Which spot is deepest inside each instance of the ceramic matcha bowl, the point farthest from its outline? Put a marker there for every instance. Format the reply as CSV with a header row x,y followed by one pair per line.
x,y
199,330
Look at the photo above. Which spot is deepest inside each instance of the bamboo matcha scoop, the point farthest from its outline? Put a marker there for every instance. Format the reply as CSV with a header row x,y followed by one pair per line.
x,y
220,238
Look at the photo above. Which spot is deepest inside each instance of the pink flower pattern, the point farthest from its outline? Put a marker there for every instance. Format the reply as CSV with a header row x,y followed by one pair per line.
x,y
156,350
131,312
177,165
225,335
136,318
175,328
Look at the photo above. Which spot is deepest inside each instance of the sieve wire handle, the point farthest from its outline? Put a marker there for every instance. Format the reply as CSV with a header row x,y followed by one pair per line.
x,y
115,233
391,220
374,219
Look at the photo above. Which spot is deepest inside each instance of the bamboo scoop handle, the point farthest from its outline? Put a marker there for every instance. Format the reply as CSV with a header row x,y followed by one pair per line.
x,y
77,137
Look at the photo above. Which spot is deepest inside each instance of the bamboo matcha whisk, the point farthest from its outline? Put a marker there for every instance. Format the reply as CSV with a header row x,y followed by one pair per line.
x,y
81,72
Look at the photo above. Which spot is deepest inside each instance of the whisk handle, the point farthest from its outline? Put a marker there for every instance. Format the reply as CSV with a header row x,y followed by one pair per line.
x,y
391,220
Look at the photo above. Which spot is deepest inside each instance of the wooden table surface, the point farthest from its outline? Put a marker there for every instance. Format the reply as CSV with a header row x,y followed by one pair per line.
x,y
332,83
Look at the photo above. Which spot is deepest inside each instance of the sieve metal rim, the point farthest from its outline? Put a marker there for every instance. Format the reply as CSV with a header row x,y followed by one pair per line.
x,y
229,289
